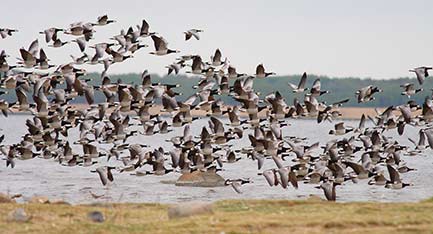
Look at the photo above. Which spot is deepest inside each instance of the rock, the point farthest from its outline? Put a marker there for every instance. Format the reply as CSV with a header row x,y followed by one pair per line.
x,y
4,198
18,215
96,216
314,198
39,199
168,181
189,209
59,202
200,179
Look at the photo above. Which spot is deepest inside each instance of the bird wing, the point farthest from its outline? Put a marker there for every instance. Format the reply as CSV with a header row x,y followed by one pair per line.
x,y
144,27
81,41
42,55
316,85
393,174
270,177
195,35
236,186
303,81
21,96
420,75
157,42
429,135
357,168
26,55
362,122
102,19
421,141
284,175
293,86
278,161
217,56
293,179
102,175
49,34
34,47
260,69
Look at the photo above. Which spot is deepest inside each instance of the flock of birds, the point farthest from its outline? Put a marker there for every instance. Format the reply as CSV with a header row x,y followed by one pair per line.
x,y
366,155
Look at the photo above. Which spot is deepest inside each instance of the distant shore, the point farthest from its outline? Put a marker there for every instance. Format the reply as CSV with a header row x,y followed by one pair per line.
x,y
350,113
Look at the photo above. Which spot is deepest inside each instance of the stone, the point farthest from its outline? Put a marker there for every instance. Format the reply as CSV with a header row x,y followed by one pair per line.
x,y
39,199
189,209
314,198
168,181
96,216
59,202
18,215
4,198
200,179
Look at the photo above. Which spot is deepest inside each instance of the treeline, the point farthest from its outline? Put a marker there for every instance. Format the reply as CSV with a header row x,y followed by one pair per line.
x,y
339,88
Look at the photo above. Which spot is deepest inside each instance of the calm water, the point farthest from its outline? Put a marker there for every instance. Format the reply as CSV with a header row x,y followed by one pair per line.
x,y
73,184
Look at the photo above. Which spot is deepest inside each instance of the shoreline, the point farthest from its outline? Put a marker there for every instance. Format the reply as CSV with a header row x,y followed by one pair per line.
x,y
258,216
348,113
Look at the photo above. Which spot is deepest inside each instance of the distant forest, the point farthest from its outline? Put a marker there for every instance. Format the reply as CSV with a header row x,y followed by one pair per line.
x,y
339,88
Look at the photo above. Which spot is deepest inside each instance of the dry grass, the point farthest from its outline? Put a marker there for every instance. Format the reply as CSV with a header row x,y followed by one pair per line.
x,y
239,216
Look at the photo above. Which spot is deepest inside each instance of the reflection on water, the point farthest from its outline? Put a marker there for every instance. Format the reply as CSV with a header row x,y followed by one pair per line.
x,y
74,184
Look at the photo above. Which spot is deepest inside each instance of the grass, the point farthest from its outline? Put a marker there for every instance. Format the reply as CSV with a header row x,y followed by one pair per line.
x,y
232,216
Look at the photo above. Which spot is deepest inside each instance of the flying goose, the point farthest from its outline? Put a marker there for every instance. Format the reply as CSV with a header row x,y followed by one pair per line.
x,y
405,169
5,32
57,43
10,155
103,20
144,29
43,61
28,59
409,89
216,58
81,42
161,46
421,144
81,29
365,94
117,57
340,129
197,65
395,181
316,89
105,174
421,73
192,33
158,166
51,34
329,190
232,74
237,183
260,72
301,86
379,179
174,67
360,171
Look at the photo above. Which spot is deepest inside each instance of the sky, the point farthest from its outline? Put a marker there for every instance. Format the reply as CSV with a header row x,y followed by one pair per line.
x,y
338,38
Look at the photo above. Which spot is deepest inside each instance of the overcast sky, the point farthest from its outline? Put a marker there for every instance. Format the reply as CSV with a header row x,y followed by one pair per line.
x,y
369,38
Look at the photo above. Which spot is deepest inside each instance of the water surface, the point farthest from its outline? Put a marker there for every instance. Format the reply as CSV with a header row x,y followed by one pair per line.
x,y
45,177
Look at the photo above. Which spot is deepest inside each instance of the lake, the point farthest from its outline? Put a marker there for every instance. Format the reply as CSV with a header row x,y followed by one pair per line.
x,y
46,177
